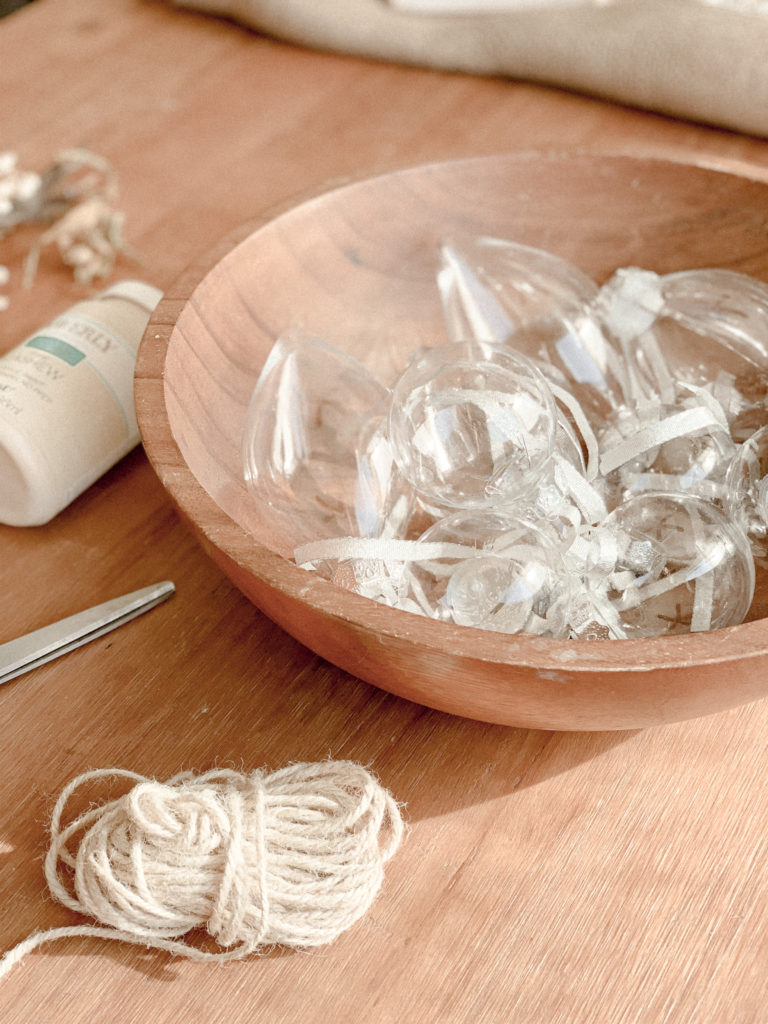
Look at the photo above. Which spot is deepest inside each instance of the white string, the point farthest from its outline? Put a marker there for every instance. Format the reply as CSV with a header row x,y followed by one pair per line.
x,y
290,858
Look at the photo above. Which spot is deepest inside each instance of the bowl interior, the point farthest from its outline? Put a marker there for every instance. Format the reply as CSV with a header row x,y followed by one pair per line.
x,y
356,266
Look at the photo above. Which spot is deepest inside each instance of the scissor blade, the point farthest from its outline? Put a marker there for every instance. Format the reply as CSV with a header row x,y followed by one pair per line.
x,y
43,645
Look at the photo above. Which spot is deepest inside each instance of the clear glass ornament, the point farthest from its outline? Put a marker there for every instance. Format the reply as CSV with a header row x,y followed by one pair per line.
x,y
724,305
549,509
471,424
384,501
655,447
563,502
707,327
490,287
681,566
301,439
747,488
541,306
495,572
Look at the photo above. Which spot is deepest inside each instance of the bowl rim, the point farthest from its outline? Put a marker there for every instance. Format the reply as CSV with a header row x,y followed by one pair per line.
x,y
221,533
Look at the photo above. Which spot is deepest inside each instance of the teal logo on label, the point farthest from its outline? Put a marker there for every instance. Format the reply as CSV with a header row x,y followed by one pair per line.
x,y
57,347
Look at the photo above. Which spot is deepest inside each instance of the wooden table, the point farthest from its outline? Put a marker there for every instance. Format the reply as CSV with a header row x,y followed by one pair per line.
x,y
547,877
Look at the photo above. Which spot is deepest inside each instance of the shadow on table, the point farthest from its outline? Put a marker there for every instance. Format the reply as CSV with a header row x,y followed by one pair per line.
x,y
438,763
433,761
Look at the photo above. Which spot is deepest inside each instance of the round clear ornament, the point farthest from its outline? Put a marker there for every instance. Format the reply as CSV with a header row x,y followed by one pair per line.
x,y
492,286
706,327
747,488
681,566
471,424
302,452
540,305
496,572
684,448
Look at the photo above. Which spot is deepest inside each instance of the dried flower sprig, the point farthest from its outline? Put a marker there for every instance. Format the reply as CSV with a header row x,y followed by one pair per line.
x,y
30,198
75,199
88,237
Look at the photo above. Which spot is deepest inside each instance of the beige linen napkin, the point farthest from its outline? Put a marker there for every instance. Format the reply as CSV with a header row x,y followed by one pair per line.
x,y
705,60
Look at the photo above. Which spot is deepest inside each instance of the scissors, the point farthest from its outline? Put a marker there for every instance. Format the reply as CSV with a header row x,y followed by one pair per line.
x,y
43,645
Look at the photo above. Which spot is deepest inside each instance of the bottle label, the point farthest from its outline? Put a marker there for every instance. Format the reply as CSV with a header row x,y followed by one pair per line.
x,y
69,391
74,338
57,347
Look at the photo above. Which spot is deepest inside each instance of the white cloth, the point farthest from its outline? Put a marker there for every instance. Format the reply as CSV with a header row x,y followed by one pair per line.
x,y
704,60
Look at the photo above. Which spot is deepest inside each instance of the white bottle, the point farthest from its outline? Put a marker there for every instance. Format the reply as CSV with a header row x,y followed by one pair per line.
x,y
66,402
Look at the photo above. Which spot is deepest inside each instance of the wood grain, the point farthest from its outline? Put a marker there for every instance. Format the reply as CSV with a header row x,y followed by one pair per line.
x,y
615,878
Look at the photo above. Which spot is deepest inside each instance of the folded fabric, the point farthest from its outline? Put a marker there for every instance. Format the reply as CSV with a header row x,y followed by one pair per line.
x,y
704,60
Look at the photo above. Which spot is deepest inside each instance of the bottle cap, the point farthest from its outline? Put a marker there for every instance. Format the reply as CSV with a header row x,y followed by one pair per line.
x,y
143,294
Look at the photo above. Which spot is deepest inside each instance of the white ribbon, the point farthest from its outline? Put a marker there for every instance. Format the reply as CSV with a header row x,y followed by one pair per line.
x,y
583,426
677,425
386,549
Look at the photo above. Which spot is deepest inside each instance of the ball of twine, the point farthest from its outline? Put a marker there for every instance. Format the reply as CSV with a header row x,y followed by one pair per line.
x,y
293,857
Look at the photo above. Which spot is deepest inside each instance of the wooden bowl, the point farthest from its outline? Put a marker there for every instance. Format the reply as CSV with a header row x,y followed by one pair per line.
x,y
356,266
